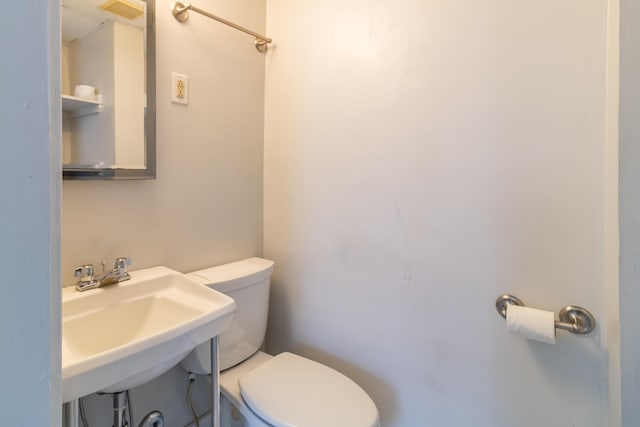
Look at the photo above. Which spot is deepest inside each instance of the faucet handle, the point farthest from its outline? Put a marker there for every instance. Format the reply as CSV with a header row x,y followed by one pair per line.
x,y
85,273
120,269
122,263
86,280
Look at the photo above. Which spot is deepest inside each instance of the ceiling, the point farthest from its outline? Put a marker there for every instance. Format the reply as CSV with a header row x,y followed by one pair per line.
x,y
82,17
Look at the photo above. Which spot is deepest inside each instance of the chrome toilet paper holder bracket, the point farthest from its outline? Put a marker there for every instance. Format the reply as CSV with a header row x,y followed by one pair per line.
x,y
573,318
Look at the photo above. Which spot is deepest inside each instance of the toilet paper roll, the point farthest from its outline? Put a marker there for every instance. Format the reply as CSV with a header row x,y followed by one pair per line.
x,y
531,323
85,92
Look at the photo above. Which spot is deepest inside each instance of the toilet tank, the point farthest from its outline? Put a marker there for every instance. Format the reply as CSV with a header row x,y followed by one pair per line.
x,y
247,282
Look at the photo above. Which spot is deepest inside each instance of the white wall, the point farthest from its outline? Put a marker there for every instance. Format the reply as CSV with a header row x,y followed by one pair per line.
x,y
630,209
611,340
422,158
30,215
205,207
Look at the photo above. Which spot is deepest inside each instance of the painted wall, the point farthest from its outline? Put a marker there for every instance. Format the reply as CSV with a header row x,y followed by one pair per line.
x,y
629,209
422,158
612,340
205,207
30,215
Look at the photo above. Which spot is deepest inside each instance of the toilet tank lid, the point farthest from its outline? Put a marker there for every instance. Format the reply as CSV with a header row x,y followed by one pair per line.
x,y
235,275
290,390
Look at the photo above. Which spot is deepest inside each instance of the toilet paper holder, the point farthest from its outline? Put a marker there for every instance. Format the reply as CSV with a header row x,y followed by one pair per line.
x,y
574,319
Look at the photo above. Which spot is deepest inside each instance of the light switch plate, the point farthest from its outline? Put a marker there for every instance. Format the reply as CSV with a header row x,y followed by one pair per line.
x,y
179,88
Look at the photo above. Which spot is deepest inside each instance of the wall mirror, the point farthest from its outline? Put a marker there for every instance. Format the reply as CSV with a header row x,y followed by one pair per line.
x,y
108,89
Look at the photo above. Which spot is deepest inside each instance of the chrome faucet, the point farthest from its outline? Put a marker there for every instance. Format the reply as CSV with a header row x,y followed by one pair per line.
x,y
87,280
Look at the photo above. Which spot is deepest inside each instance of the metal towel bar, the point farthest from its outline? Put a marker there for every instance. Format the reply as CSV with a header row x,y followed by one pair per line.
x,y
180,11
574,319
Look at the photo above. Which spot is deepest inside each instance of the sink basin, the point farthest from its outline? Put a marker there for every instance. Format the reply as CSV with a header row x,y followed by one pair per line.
x,y
124,335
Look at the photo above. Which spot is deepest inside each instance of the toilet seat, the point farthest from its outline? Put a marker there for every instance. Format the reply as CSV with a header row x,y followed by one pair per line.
x,y
230,390
292,391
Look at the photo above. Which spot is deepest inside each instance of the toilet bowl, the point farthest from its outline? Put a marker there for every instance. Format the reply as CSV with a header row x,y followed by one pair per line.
x,y
261,390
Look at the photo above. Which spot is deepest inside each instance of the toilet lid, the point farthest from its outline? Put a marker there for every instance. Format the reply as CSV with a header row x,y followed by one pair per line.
x,y
291,391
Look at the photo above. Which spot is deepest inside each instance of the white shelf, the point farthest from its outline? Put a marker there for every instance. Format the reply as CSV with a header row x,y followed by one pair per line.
x,y
79,107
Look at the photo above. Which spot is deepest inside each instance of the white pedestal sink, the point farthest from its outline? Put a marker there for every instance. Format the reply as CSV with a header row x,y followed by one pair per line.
x,y
124,335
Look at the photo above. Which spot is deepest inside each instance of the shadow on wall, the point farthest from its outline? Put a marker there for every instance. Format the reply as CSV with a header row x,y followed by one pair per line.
x,y
280,330
278,339
377,389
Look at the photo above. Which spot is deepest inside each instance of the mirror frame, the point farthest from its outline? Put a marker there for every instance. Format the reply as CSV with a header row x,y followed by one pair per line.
x,y
149,172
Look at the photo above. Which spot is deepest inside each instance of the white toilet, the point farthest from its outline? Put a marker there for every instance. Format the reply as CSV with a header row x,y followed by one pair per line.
x,y
263,390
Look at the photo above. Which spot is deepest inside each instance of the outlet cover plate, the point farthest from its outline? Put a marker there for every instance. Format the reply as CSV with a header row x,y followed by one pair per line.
x,y
179,88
